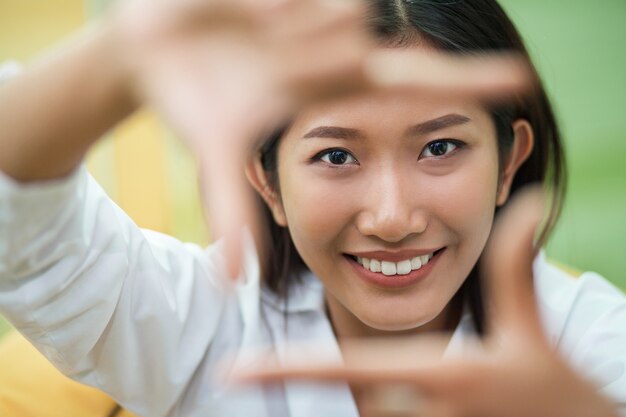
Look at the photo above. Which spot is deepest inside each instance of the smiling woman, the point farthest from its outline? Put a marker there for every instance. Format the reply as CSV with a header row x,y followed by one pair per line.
x,y
424,180
384,205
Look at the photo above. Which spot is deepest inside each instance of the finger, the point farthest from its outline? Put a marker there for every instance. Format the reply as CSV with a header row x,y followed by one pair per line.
x,y
297,19
507,266
490,75
409,371
326,67
228,198
323,55
229,206
449,383
414,360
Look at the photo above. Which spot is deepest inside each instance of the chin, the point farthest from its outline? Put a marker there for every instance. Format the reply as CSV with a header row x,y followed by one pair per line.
x,y
397,322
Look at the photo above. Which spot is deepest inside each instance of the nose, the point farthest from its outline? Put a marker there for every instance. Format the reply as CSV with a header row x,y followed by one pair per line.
x,y
391,209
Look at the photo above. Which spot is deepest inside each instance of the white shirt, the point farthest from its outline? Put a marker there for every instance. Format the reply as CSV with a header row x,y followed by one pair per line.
x,y
146,318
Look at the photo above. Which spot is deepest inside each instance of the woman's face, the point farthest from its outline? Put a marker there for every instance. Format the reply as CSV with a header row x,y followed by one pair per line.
x,y
373,186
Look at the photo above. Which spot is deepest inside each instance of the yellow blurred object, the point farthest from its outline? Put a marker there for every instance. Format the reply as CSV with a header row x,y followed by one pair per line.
x,y
151,176
28,27
140,161
31,387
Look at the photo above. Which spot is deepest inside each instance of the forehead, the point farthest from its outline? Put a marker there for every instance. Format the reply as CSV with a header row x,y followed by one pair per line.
x,y
387,110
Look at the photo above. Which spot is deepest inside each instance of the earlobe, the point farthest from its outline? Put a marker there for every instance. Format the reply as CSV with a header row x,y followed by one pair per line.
x,y
521,149
258,179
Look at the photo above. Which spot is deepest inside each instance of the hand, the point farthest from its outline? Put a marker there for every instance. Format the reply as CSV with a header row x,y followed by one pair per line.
x,y
223,72
512,372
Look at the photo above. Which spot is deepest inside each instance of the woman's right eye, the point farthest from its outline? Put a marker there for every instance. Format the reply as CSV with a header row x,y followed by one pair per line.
x,y
336,157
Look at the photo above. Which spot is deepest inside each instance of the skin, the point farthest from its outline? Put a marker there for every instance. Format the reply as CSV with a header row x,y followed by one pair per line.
x,y
391,195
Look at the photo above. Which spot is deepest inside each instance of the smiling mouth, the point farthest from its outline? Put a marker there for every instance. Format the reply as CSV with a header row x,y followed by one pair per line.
x,y
389,268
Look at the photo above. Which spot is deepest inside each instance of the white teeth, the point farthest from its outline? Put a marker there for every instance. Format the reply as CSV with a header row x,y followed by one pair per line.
x,y
366,263
388,268
403,268
395,268
374,265
416,263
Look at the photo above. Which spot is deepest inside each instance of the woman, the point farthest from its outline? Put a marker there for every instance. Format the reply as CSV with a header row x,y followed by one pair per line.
x,y
382,201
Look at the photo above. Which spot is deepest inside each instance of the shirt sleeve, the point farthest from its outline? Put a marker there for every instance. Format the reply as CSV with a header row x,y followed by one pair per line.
x,y
598,319
586,320
132,312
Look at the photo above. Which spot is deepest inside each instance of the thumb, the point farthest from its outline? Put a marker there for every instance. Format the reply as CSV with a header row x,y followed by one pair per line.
x,y
230,205
507,266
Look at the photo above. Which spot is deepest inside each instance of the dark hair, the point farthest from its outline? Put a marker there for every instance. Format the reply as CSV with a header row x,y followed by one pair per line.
x,y
461,27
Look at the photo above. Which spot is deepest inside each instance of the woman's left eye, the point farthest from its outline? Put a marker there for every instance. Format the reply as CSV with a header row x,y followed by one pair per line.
x,y
440,148
337,157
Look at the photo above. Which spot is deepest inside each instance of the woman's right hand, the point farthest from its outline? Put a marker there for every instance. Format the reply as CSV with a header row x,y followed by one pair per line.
x,y
221,72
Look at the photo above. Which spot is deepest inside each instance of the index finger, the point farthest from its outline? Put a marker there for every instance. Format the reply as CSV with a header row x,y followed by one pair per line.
x,y
415,360
486,75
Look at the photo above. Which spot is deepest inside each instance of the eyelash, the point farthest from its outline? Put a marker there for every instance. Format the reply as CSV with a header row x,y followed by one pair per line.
x,y
456,143
326,152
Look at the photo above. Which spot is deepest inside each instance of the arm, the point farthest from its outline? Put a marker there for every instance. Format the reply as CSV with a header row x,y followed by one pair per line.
x,y
52,113
204,66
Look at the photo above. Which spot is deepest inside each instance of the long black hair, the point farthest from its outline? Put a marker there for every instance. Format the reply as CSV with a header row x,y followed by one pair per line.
x,y
457,27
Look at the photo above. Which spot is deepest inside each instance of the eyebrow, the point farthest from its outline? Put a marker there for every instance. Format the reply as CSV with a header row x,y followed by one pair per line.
x,y
439,123
334,132
429,126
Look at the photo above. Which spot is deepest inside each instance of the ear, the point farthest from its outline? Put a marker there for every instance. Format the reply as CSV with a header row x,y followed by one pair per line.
x,y
523,142
258,179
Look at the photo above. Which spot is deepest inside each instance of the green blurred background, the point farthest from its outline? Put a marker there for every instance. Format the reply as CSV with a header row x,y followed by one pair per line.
x,y
578,47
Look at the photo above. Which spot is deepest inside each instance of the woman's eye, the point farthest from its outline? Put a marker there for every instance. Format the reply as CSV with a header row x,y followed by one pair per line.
x,y
439,148
337,157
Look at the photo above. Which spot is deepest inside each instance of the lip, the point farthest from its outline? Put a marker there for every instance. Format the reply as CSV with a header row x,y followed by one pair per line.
x,y
394,281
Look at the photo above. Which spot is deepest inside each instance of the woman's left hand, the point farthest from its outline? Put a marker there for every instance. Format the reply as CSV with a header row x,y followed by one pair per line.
x,y
512,372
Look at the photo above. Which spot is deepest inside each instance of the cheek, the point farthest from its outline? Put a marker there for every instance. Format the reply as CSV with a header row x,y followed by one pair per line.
x,y
465,201
317,210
